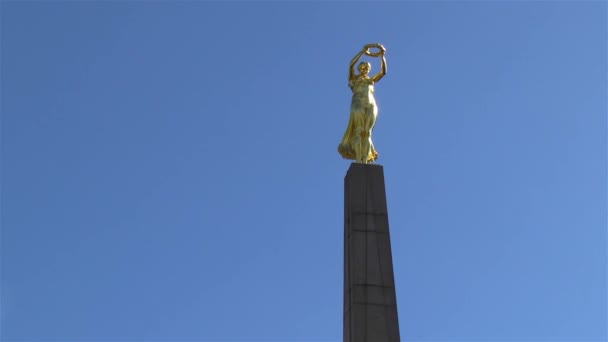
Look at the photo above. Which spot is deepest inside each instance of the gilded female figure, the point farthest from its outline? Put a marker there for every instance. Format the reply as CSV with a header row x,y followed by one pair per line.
x,y
357,141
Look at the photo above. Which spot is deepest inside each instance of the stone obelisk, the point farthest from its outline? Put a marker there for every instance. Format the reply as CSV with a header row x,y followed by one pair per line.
x,y
370,305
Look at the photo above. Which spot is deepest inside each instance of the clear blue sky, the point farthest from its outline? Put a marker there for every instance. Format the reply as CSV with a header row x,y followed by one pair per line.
x,y
169,169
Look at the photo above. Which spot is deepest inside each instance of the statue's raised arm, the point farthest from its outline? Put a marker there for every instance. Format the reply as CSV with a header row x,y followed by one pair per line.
x,y
351,69
382,72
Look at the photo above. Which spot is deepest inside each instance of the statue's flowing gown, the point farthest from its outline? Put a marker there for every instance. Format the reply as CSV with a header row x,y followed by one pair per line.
x,y
363,113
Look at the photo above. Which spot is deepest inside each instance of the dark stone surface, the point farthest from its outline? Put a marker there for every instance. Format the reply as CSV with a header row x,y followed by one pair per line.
x,y
370,305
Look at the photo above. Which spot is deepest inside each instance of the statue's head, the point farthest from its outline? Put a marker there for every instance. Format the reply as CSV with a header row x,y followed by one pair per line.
x,y
364,68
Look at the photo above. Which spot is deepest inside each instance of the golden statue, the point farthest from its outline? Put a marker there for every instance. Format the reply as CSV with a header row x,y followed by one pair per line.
x,y
357,142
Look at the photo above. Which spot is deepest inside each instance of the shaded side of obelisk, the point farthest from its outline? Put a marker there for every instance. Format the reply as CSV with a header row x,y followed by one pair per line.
x,y
370,304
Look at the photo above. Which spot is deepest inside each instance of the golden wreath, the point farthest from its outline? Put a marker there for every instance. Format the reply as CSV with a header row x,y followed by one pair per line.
x,y
380,52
